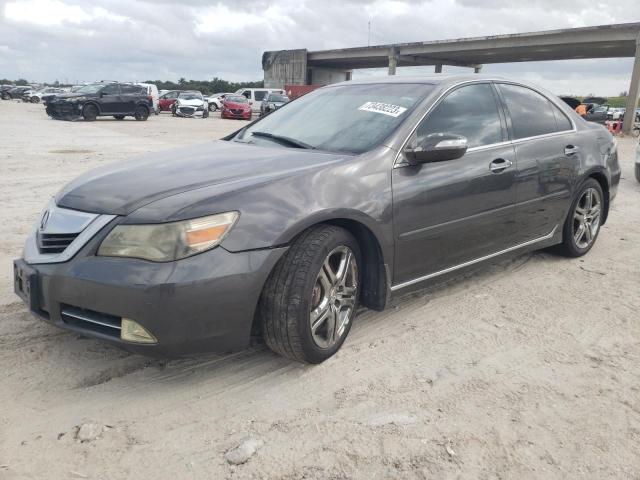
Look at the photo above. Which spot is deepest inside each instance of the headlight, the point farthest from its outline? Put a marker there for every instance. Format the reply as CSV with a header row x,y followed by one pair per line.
x,y
165,242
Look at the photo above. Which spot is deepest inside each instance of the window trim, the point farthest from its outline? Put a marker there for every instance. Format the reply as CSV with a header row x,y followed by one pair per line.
x,y
398,161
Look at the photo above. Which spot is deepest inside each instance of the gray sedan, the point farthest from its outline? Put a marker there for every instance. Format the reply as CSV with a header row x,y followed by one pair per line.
x,y
352,193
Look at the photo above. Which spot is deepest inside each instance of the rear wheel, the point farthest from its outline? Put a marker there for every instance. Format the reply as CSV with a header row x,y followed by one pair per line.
x,y
141,113
212,107
89,113
583,221
35,99
310,299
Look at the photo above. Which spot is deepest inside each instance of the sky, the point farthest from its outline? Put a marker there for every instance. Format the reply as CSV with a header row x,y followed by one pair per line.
x,y
128,40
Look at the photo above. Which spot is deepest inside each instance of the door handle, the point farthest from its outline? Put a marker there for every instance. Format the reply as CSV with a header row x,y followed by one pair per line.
x,y
499,165
571,150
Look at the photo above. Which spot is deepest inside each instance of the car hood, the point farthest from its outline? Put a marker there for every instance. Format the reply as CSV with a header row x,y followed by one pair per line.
x,y
122,188
243,106
71,96
190,103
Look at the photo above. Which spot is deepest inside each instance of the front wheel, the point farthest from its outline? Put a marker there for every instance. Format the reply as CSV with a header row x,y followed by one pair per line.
x,y
583,221
213,107
205,113
35,99
89,113
310,299
141,113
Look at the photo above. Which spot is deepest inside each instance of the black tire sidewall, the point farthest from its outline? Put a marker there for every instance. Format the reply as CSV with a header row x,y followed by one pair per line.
x,y
313,353
85,113
568,240
144,113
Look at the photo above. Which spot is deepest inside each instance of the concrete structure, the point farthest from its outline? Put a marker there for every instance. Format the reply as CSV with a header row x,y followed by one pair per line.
x,y
329,66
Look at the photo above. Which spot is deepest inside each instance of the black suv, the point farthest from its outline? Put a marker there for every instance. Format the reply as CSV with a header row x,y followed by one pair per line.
x,y
102,99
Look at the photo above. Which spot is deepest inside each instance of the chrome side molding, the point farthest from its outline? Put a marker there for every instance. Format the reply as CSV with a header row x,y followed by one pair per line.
x,y
472,262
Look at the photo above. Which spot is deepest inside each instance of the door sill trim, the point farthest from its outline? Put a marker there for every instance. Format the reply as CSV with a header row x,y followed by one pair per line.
x,y
472,262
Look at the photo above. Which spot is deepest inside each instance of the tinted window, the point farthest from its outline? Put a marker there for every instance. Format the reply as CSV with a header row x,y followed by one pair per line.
x,y
531,113
259,94
113,89
562,120
471,111
131,89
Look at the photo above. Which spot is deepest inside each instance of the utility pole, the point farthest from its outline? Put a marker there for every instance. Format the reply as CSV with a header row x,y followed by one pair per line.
x,y
369,35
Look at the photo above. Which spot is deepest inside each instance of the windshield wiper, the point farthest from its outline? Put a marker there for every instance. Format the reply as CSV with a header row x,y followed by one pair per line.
x,y
285,140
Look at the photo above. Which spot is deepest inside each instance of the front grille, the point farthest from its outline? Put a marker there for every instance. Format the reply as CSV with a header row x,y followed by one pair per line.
x,y
187,110
90,320
236,111
55,242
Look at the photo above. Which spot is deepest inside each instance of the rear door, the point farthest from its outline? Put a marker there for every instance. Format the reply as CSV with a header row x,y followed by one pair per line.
x,y
451,212
548,153
130,96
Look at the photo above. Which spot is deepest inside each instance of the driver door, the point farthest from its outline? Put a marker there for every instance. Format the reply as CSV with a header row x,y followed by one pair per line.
x,y
110,99
450,212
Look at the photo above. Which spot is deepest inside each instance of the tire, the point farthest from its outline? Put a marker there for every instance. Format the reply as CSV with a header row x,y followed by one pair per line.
x,y
141,114
573,244
213,107
638,172
35,99
299,283
6,96
205,113
119,117
173,110
89,113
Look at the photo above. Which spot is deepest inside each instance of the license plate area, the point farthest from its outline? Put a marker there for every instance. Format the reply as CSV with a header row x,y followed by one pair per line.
x,y
25,283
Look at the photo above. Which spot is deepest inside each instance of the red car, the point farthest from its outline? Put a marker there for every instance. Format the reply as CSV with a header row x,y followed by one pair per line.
x,y
167,99
236,106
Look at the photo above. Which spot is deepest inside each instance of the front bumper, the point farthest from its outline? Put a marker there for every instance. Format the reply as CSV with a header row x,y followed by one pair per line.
x,y
64,110
227,113
204,303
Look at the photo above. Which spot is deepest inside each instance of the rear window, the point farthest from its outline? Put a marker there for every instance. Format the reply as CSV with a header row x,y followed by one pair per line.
x,y
531,113
132,90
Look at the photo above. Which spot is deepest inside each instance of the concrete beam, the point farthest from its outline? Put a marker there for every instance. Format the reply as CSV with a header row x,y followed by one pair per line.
x,y
632,98
420,60
477,69
438,68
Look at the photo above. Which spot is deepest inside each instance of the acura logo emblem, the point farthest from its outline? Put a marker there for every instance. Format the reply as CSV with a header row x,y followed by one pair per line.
x,y
44,220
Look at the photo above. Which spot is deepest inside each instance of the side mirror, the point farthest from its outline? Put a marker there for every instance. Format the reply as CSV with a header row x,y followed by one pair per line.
x,y
436,147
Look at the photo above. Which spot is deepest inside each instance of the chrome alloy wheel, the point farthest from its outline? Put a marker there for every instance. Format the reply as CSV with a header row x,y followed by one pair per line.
x,y
586,218
333,299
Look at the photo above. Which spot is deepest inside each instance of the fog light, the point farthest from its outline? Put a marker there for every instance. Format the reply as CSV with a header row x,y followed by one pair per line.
x,y
134,332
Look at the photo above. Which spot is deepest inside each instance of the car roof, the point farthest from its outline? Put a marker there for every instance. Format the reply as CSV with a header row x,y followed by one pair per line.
x,y
433,79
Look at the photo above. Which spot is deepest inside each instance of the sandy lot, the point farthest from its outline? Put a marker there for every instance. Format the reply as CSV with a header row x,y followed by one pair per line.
x,y
524,368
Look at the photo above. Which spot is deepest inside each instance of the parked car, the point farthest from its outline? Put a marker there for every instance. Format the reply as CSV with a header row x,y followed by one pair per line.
x,y
35,96
256,95
215,101
15,92
167,99
272,101
352,193
102,99
598,114
152,93
190,103
236,106
47,97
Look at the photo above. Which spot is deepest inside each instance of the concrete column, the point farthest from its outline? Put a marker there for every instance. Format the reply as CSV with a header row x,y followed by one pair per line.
x,y
477,69
439,68
393,60
632,99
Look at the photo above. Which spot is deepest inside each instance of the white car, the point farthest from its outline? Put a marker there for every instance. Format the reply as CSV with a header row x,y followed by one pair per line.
x,y
35,96
152,91
215,100
190,104
256,95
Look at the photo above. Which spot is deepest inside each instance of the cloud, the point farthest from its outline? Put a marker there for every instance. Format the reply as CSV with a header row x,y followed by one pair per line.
x,y
86,40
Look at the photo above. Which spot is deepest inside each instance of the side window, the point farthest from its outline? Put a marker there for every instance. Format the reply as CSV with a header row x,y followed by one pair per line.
x,y
247,93
471,111
130,90
112,89
531,113
259,94
562,120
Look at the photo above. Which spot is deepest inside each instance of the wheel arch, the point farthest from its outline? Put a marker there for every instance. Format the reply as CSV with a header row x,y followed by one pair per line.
x,y
600,176
92,103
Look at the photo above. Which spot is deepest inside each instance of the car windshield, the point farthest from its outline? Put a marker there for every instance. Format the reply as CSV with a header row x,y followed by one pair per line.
x,y
236,99
345,118
90,88
190,96
278,98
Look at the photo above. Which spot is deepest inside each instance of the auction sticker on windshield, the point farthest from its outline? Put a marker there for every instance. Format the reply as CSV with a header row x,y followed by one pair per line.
x,y
384,108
